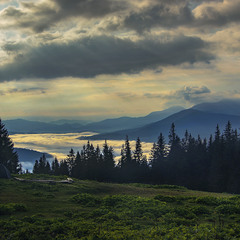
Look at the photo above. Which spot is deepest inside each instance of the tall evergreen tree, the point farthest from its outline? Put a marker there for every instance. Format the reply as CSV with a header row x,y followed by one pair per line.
x,y
63,168
107,165
36,167
77,170
71,160
8,156
138,153
158,157
126,163
55,167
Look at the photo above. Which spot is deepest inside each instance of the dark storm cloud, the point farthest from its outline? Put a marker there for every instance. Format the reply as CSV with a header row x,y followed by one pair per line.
x,y
164,14
89,57
187,13
219,14
40,16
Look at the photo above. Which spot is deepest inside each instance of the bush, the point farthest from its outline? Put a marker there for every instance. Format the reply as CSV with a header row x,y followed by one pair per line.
x,y
19,207
184,212
86,199
7,209
208,200
228,209
112,201
165,198
200,210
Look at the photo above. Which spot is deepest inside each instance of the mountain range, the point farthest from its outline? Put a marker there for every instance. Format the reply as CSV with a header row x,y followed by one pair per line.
x,y
196,122
63,126
200,119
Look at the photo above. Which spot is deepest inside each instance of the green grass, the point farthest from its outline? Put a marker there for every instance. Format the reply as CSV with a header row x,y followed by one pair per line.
x,y
92,210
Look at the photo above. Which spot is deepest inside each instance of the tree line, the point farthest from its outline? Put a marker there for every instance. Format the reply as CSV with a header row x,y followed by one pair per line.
x,y
211,164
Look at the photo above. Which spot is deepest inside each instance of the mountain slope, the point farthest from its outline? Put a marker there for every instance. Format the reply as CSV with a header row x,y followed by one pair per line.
x,y
28,155
196,122
122,123
226,106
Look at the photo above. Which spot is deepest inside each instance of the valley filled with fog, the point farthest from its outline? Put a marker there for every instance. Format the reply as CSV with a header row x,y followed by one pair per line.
x,y
59,145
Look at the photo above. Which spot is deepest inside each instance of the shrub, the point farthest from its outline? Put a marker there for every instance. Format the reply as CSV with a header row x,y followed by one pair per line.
x,y
208,200
228,209
165,198
184,212
112,201
86,199
19,207
200,210
5,209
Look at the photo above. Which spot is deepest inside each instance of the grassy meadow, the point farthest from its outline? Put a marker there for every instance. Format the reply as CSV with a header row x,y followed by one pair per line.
x,y
91,210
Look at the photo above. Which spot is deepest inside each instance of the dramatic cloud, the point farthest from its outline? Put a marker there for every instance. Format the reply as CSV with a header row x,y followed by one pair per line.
x,y
89,57
42,15
132,56
217,14
186,13
165,14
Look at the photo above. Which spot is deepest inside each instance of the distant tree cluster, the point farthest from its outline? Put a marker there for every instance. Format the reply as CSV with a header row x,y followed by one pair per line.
x,y
90,163
206,164
8,157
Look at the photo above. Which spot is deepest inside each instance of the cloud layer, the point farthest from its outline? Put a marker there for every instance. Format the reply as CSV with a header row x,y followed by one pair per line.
x,y
92,56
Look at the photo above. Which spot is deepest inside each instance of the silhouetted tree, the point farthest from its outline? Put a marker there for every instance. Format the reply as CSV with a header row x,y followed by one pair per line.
x,y
36,167
55,167
70,160
8,156
158,157
63,168
107,163
140,163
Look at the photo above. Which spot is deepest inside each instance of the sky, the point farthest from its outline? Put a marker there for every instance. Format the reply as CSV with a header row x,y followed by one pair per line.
x,y
91,59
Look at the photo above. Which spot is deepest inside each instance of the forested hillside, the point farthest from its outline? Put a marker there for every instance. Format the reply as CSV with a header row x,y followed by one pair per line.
x,y
205,164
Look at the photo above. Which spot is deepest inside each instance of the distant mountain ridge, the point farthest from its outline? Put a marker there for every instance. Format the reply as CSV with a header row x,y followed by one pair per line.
x,y
26,126
225,106
195,121
200,119
66,126
122,123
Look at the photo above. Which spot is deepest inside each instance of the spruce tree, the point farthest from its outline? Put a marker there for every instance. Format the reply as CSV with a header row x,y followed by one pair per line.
x,y
36,167
55,167
8,156
138,153
70,160
78,167
126,163
108,164
158,156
